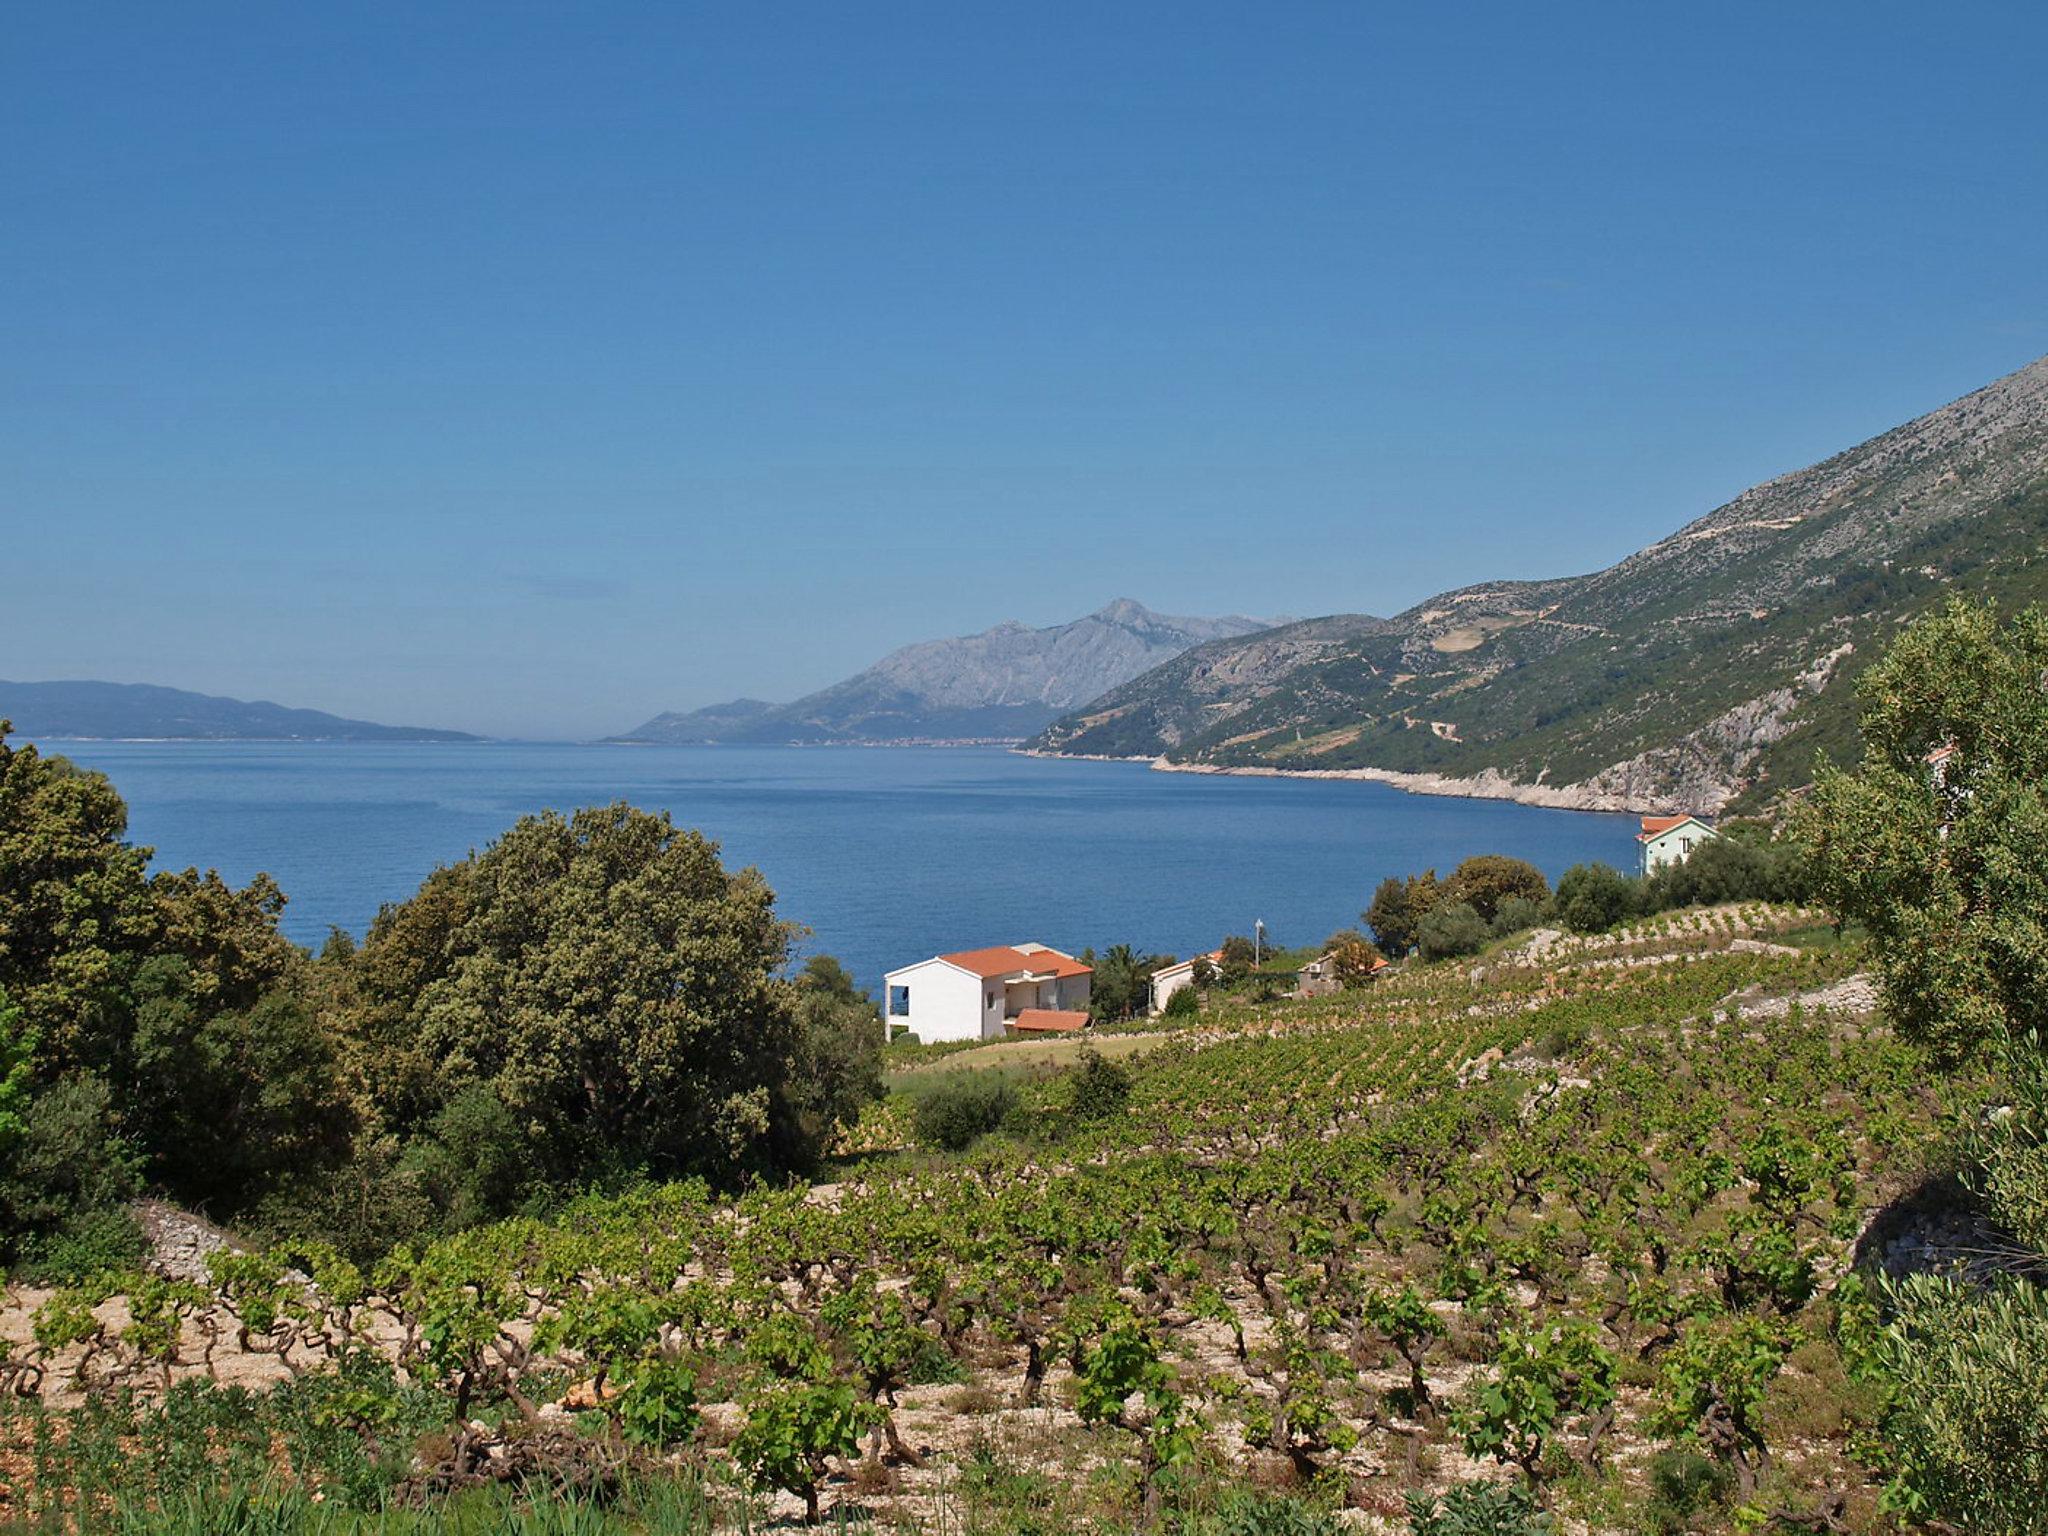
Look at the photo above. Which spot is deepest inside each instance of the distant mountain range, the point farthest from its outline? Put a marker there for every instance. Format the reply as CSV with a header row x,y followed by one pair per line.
x,y
140,711
1701,673
1003,684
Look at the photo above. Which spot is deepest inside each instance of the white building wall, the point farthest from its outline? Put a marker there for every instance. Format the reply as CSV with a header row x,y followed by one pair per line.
x,y
1169,981
1672,846
945,1002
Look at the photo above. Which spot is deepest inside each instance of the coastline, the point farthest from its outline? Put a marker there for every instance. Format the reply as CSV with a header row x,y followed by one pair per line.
x,y
1489,784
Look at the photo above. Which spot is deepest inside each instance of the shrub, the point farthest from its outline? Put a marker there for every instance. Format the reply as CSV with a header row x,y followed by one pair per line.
x,y
1260,1514
65,1185
1478,1509
1452,930
956,1111
1683,1483
1486,880
1514,914
1097,1088
1183,1003
1398,908
1592,898
1967,1377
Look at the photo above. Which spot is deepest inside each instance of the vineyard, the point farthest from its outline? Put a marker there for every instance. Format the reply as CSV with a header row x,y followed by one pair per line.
x,y
1571,1224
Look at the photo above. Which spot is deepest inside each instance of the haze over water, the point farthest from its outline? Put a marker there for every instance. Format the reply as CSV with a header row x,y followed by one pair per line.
x,y
887,854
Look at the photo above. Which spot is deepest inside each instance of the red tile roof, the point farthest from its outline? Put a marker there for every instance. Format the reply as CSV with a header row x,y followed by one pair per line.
x,y
1049,1021
1657,826
1002,960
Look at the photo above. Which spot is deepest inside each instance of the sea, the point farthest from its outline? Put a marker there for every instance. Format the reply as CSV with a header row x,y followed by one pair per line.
x,y
886,855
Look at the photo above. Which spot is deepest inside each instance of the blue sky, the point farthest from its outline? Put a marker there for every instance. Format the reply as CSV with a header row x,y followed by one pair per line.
x,y
532,368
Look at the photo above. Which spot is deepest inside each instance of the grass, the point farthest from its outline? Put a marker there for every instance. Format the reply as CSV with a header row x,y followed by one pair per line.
x,y
1021,1060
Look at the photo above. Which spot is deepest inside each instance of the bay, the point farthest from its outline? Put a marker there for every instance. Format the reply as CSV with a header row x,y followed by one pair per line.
x,y
888,855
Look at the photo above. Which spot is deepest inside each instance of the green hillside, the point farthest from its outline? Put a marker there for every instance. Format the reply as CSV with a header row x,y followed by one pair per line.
x,y
1704,670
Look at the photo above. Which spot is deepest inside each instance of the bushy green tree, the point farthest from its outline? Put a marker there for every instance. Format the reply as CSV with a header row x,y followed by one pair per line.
x,y
1121,985
1398,908
1353,957
613,985
1514,914
836,1067
74,904
1744,863
1236,958
1450,930
173,992
1943,863
1486,880
228,1101
1935,845
1097,1088
1592,898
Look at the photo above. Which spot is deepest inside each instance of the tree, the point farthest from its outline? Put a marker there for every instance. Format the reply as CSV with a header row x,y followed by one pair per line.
x,y
1353,958
17,1048
74,904
1592,898
615,987
1486,880
166,990
1398,908
836,1069
65,1186
227,1102
1451,930
1121,985
1943,863
1934,845
1235,959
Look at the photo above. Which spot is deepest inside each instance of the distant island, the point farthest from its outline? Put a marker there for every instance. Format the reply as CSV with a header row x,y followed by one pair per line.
x,y
1002,684
99,711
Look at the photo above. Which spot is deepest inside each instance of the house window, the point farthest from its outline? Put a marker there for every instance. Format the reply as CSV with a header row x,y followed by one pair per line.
x,y
988,999
899,1002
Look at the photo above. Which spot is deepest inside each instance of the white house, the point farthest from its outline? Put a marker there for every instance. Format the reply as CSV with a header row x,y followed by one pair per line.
x,y
1670,840
1169,979
976,994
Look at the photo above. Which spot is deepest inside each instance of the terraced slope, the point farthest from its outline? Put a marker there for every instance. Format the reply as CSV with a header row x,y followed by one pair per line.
x,y
1307,1240
1703,670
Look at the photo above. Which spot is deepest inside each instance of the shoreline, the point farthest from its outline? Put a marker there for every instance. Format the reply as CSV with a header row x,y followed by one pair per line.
x,y
1488,784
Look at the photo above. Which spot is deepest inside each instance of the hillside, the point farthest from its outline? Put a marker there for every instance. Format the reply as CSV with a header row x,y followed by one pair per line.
x,y
141,711
1000,685
1701,672
1310,1235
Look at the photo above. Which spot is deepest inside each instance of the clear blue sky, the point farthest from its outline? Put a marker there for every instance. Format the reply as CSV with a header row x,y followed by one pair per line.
x,y
532,368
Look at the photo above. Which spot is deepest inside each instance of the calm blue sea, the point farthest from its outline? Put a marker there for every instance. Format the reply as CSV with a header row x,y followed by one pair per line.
x,y
888,854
